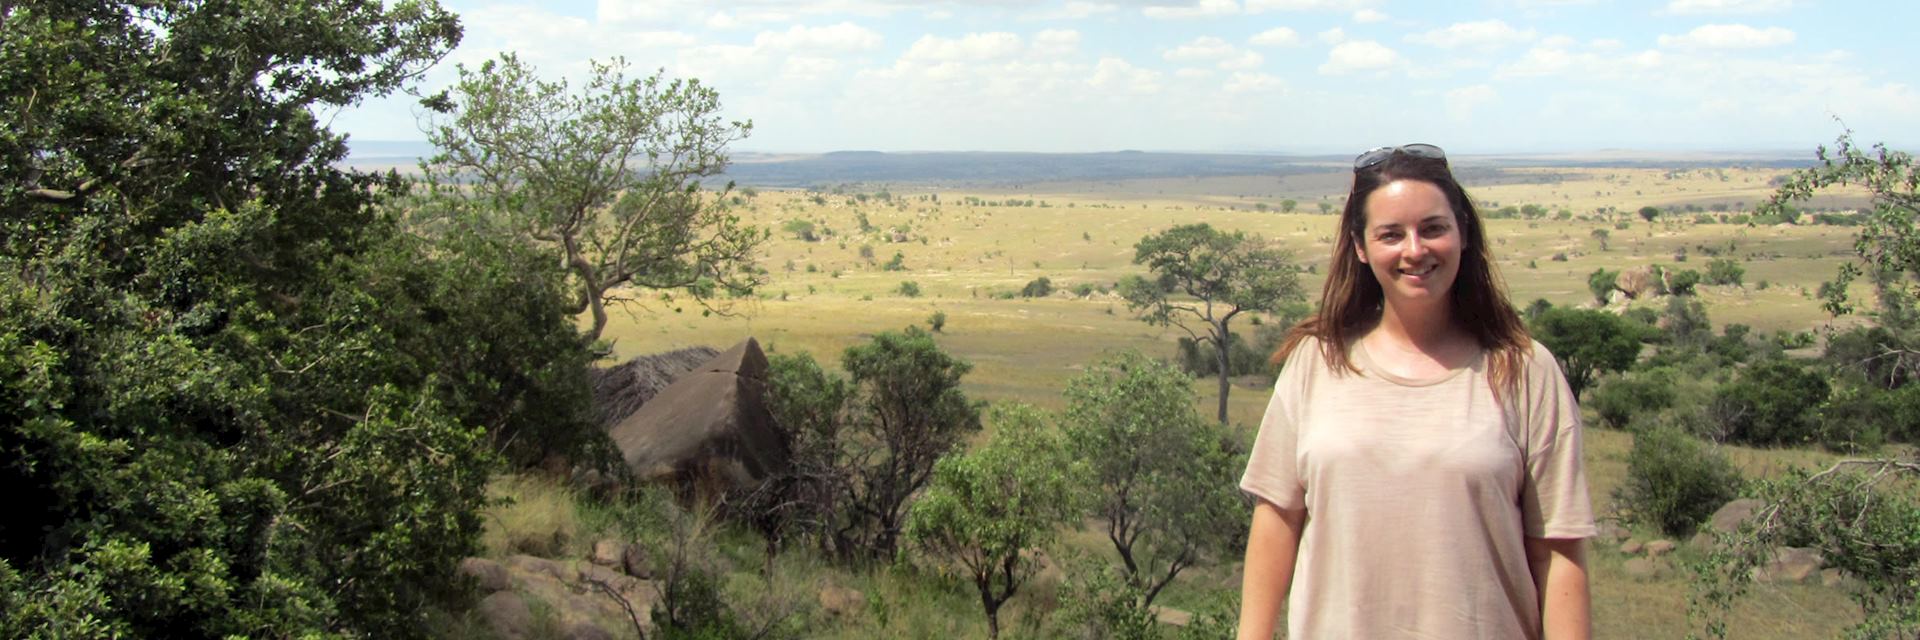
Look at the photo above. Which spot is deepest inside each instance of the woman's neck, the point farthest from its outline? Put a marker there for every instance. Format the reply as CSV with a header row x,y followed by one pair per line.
x,y
1427,329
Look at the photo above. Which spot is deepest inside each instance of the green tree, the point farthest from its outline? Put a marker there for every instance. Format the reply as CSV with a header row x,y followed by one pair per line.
x,y
224,407
1602,283
1773,402
1725,271
1649,213
801,228
986,508
608,178
1039,287
1588,343
1221,275
1162,475
1601,235
1682,283
1288,205
908,412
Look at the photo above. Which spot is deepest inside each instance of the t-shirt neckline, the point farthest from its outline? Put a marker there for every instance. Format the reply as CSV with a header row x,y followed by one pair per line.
x,y
1367,364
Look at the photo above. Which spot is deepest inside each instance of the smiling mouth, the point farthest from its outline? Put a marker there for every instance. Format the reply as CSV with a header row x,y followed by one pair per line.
x,y
1420,272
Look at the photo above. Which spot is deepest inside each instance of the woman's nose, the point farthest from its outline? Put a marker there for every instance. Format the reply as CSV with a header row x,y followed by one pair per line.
x,y
1416,249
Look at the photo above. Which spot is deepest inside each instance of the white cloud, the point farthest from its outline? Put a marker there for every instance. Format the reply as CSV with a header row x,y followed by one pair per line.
x,y
1727,6
973,46
1728,36
1360,55
1258,6
1204,48
1369,16
845,36
1075,10
1190,73
1335,35
1462,101
1056,42
1538,61
1114,73
1201,9
1277,37
721,20
1216,51
1605,44
1557,41
1242,82
1485,34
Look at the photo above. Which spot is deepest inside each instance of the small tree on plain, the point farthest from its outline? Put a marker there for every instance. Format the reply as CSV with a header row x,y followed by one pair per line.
x,y
1221,275
983,509
1163,475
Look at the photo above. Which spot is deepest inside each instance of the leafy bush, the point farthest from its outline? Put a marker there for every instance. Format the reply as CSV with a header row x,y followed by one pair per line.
x,y
1674,480
1601,282
1040,287
1725,271
1587,342
1773,403
908,289
938,321
1621,398
1682,283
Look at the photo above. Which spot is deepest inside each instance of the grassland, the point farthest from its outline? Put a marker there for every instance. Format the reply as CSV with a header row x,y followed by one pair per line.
x,y
967,251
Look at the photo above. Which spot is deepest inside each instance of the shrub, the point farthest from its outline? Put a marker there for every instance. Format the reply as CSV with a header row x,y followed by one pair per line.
x,y
1621,398
1682,283
1725,271
897,263
1772,403
1675,481
1601,283
908,288
1852,420
937,321
1040,287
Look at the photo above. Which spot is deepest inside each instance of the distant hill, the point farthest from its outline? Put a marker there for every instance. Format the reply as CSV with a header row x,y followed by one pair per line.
x,y
994,168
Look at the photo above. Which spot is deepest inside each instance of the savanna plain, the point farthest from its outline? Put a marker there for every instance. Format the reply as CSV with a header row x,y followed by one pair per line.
x,y
849,261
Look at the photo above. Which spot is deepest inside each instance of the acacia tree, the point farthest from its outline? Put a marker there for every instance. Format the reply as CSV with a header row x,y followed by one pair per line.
x,y
607,178
1587,342
908,412
1221,275
987,507
1164,476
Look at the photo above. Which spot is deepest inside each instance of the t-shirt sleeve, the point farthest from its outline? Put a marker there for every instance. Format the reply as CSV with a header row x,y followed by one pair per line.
x,y
1553,500
1272,467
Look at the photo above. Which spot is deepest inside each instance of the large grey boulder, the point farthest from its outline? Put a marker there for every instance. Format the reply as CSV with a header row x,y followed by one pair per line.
x,y
710,428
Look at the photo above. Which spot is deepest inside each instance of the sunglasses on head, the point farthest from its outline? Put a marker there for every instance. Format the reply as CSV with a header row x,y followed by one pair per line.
x,y
1378,155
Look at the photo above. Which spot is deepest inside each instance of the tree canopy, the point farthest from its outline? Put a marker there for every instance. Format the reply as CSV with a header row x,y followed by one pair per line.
x,y
607,178
1222,275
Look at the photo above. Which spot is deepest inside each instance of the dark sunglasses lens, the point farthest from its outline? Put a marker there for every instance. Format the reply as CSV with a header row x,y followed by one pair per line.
x,y
1372,157
1424,151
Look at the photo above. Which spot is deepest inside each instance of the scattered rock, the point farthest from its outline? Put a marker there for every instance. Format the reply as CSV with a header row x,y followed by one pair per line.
x,y
1171,616
1733,514
530,565
1659,548
1636,282
1644,569
588,631
635,561
1631,547
842,602
507,614
606,552
489,574
1790,564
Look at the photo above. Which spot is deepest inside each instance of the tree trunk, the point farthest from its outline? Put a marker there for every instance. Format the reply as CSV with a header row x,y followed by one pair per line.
x,y
1220,353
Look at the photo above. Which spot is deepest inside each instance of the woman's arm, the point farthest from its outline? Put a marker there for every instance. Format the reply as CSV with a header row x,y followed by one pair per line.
x,y
1559,568
1272,545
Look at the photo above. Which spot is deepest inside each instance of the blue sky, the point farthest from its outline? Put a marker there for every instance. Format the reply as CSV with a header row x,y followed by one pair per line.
x,y
1286,76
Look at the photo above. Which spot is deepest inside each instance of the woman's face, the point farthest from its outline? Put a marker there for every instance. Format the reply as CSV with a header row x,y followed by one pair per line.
x,y
1412,242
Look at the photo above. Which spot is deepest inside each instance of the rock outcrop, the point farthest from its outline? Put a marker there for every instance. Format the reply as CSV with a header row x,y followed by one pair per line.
x,y
710,429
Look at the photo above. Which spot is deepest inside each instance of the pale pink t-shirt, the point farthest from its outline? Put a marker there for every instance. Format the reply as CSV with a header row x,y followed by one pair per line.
x,y
1419,495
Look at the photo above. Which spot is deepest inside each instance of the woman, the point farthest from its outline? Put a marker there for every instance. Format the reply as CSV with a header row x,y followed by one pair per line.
x,y
1418,469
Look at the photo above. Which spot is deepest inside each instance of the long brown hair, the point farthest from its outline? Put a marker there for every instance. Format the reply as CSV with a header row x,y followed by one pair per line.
x,y
1350,303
